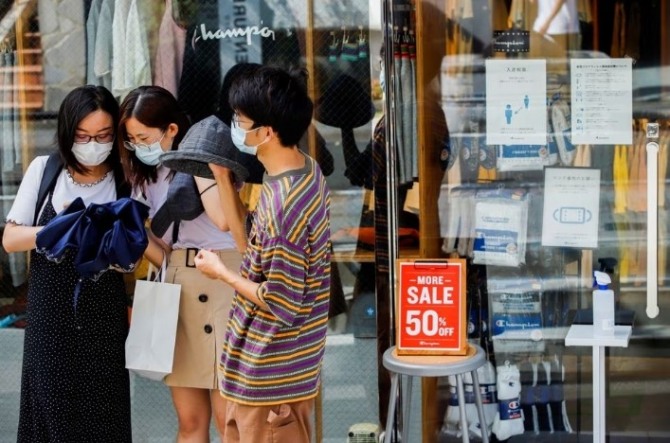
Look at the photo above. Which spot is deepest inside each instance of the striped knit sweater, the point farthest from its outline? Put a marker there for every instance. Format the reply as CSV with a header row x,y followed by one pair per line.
x,y
275,357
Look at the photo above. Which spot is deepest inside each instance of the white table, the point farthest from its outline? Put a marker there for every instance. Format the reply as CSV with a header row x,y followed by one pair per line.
x,y
582,335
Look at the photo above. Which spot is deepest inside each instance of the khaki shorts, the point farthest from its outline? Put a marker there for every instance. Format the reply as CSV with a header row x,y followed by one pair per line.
x,y
204,309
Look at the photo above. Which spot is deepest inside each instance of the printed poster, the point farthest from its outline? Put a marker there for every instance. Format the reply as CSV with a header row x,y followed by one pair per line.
x,y
516,104
602,101
430,303
571,207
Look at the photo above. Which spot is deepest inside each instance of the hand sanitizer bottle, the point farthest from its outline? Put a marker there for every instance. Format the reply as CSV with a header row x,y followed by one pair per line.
x,y
603,306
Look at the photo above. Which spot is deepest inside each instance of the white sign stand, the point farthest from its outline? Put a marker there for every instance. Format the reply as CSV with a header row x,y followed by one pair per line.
x,y
582,335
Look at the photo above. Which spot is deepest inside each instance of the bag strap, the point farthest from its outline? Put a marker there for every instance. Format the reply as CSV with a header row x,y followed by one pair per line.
x,y
158,274
51,171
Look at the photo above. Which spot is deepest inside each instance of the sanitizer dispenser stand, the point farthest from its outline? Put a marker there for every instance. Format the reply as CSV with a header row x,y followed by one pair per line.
x,y
601,334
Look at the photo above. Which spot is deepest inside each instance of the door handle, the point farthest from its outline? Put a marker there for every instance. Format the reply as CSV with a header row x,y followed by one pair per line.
x,y
652,229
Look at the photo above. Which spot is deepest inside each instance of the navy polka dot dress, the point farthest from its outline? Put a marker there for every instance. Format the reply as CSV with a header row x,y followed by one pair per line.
x,y
74,385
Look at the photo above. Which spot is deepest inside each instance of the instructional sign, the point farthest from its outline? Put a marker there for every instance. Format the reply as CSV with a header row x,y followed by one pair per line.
x,y
571,207
430,307
602,101
516,103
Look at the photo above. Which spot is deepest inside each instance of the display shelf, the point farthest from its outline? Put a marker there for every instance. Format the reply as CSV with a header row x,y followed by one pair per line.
x,y
582,335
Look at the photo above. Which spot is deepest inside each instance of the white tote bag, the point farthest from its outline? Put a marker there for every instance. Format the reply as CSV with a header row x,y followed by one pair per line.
x,y
153,327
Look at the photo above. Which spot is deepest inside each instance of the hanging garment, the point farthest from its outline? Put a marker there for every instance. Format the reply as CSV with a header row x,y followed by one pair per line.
x,y
637,189
408,150
91,31
558,414
398,101
663,214
169,59
130,53
633,29
517,15
414,136
452,416
663,158
584,11
453,29
104,43
618,31
528,379
582,156
620,175
119,26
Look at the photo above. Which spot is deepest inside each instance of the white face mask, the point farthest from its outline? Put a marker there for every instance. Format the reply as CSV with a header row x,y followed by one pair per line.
x,y
92,153
147,154
239,136
150,155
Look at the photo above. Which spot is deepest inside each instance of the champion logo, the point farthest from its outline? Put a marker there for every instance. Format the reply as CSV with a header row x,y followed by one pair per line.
x,y
219,34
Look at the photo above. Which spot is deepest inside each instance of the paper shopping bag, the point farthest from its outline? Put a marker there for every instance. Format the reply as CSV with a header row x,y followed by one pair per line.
x,y
153,328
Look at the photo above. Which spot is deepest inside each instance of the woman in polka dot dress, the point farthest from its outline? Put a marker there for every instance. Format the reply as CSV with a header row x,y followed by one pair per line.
x,y
74,385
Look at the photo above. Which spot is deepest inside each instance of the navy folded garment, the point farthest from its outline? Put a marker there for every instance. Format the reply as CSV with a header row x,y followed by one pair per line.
x,y
100,235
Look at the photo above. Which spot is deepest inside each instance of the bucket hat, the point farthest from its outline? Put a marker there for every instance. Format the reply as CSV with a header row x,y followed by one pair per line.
x,y
182,203
207,141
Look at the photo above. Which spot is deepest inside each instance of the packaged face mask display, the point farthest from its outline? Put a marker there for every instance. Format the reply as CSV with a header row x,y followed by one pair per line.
x,y
526,157
500,227
516,313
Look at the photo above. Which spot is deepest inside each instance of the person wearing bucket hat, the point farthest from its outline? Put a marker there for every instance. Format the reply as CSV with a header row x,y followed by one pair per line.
x,y
280,308
153,125
208,141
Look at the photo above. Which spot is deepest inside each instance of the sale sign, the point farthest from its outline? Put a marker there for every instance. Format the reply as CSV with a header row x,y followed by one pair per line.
x,y
430,307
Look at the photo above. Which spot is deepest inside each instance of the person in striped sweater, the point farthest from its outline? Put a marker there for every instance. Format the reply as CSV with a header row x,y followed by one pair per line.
x,y
275,339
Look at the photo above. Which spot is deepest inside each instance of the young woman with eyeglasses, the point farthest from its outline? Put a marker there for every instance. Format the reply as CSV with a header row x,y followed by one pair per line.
x,y
152,123
74,385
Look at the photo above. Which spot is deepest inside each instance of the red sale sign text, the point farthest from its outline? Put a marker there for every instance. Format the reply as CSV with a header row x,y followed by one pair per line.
x,y
431,308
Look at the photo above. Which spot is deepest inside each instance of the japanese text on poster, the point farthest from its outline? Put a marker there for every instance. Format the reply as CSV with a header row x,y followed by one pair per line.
x,y
602,101
571,207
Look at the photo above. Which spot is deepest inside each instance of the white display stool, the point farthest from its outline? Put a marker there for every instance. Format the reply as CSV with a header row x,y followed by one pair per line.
x,y
433,366
582,335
